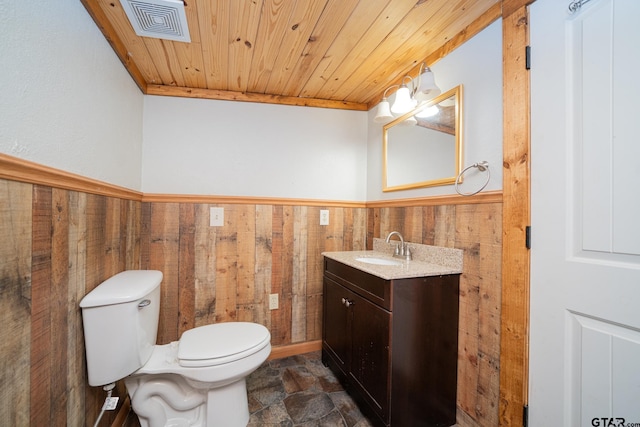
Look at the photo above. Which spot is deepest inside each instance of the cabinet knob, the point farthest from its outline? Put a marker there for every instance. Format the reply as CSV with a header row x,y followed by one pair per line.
x,y
347,302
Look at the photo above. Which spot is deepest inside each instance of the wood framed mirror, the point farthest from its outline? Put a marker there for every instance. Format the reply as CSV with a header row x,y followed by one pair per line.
x,y
423,148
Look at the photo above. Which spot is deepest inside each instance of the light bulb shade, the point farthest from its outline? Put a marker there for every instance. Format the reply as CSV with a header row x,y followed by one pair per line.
x,y
428,88
383,114
403,102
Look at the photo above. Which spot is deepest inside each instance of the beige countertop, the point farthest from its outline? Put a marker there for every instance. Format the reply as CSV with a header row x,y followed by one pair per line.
x,y
427,261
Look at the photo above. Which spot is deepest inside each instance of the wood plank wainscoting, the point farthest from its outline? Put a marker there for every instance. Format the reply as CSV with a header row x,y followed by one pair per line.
x,y
473,224
63,238
221,274
56,246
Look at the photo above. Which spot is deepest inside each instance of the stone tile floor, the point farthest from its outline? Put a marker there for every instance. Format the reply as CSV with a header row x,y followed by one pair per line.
x,y
296,391
300,391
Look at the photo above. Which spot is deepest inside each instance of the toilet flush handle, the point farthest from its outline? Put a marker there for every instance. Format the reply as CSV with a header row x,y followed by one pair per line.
x,y
144,303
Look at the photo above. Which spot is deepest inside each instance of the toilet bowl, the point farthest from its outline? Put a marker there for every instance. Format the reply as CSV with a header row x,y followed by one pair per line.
x,y
200,379
197,381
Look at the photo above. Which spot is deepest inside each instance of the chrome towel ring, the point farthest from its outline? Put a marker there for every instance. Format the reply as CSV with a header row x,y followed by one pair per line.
x,y
482,166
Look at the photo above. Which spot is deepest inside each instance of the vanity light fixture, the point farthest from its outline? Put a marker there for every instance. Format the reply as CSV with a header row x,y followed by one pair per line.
x,y
427,88
406,99
383,114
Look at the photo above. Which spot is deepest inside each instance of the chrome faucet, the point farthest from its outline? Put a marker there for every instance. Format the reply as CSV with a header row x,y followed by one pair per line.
x,y
402,250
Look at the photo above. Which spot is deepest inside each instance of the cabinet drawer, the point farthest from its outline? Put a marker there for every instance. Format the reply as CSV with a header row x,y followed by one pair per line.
x,y
371,287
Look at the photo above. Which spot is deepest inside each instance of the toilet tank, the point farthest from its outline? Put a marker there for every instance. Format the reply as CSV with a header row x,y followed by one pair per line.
x,y
120,318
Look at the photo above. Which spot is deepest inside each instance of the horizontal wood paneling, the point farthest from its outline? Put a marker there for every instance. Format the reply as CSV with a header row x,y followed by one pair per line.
x,y
224,95
279,352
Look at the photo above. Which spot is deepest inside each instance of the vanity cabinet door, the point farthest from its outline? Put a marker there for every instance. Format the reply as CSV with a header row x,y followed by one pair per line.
x,y
335,332
370,367
356,334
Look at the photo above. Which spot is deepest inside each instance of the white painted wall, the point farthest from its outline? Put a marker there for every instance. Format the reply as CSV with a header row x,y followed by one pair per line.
x,y
477,65
66,101
209,147
194,146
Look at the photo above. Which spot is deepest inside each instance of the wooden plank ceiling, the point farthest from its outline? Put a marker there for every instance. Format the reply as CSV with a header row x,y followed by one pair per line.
x,y
323,53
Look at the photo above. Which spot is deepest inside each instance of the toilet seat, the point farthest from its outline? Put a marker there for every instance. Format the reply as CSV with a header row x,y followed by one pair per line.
x,y
221,343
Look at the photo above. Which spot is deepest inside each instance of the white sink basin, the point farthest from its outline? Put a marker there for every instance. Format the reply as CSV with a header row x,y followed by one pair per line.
x,y
378,261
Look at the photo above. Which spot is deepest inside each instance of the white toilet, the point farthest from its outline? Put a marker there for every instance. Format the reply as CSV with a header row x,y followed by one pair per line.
x,y
197,381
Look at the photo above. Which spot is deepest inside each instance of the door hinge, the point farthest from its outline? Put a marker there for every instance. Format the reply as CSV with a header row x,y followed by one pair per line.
x,y
525,416
527,55
527,236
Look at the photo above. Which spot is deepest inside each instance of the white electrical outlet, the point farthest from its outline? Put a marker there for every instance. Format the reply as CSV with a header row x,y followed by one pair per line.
x,y
216,217
110,403
324,217
273,301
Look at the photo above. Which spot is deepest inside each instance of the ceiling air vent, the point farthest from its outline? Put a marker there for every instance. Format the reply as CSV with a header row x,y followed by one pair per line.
x,y
161,19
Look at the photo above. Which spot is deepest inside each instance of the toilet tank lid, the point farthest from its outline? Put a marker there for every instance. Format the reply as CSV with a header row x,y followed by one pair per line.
x,y
125,286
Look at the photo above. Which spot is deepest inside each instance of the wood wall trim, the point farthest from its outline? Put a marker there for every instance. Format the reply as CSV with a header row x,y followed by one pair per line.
x,y
448,199
247,200
225,95
490,16
278,352
123,413
514,338
98,16
15,169
510,7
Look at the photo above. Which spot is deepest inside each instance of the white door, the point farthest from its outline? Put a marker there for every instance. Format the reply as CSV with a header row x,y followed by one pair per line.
x,y
585,206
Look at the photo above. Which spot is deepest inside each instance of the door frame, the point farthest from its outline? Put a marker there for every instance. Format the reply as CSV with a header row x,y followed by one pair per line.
x,y
516,214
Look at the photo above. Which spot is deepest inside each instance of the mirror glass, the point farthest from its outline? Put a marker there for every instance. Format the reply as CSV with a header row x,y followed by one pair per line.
x,y
423,148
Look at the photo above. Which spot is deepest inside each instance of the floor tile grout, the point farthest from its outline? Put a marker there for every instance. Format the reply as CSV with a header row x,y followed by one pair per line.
x,y
300,391
296,391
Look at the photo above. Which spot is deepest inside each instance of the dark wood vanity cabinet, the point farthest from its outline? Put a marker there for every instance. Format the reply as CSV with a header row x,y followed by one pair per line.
x,y
357,333
393,344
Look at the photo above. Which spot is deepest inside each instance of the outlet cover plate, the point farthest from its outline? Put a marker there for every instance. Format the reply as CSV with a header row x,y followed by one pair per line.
x,y
110,403
216,217
273,301
324,217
